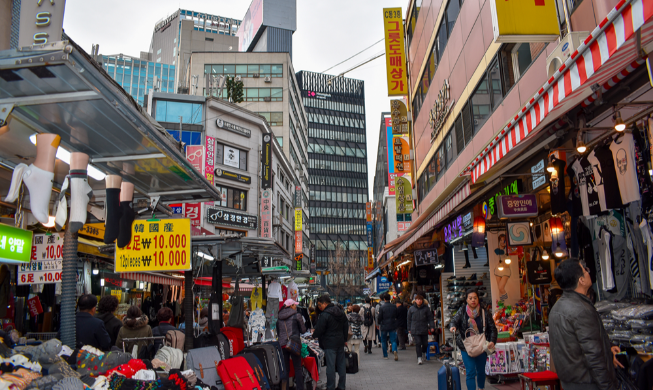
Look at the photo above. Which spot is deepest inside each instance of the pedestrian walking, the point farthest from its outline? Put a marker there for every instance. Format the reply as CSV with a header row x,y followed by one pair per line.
x,y
369,325
331,331
356,326
402,324
388,323
291,326
470,317
583,355
420,320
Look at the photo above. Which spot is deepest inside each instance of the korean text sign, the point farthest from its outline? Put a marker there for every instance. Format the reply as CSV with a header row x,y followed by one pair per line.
x,y
46,260
266,214
395,53
156,245
14,245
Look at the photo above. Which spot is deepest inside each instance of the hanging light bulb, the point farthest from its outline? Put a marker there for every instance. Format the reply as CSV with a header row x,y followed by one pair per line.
x,y
141,285
545,255
508,261
550,167
559,252
619,124
95,269
580,145
500,267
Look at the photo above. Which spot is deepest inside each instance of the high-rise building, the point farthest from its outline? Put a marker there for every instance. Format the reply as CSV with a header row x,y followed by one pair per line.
x,y
385,227
337,157
268,26
136,75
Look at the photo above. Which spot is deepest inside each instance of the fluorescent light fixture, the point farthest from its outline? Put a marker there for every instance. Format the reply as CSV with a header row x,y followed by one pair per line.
x,y
102,282
205,256
50,222
64,155
141,285
95,269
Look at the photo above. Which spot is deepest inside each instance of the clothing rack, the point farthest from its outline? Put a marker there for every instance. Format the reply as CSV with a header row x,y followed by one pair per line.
x,y
140,339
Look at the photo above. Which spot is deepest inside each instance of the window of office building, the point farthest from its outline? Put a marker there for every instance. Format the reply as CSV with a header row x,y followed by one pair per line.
x,y
232,198
273,118
230,156
245,70
171,111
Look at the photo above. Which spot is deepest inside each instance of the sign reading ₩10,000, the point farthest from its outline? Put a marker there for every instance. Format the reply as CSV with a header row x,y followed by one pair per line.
x,y
156,245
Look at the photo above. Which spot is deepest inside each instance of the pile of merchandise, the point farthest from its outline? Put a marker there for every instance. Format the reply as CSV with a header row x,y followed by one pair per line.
x,y
628,324
510,319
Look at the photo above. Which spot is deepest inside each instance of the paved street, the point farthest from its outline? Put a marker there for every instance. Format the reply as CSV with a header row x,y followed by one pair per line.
x,y
376,373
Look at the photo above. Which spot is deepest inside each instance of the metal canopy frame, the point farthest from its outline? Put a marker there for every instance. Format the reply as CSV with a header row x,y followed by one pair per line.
x,y
57,88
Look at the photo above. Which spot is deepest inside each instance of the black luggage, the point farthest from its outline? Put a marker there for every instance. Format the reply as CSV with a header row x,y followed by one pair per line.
x,y
283,370
270,360
351,359
257,366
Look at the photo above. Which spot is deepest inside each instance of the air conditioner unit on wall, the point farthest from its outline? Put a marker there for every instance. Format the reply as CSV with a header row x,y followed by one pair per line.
x,y
268,79
255,75
565,48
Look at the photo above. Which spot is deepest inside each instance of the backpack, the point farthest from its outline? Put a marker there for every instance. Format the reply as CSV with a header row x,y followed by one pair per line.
x,y
175,339
237,374
368,320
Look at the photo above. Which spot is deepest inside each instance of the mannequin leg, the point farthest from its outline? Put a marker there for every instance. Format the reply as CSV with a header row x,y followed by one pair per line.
x,y
112,209
80,192
127,217
38,177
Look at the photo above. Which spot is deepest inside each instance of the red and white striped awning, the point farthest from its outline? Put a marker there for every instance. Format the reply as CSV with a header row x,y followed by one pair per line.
x,y
458,197
604,58
153,278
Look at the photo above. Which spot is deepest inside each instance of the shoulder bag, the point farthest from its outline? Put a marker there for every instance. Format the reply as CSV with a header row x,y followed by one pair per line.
x,y
293,346
475,344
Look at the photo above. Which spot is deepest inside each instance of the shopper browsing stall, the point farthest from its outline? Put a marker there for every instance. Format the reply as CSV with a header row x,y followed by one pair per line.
x,y
107,306
469,320
135,326
290,326
90,330
331,330
420,320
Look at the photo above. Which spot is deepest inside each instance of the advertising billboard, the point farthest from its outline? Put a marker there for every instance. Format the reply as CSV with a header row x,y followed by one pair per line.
x,y
395,53
251,24
391,156
524,21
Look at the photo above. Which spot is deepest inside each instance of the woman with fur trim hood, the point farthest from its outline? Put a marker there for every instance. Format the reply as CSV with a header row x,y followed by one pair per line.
x,y
134,325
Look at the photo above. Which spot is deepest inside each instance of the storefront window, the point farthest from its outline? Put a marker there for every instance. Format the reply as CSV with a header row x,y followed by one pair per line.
x,y
481,104
235,199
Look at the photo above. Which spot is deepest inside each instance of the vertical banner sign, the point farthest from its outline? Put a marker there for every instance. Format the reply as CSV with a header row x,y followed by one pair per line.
x,y
395,54
370,258
209,163
401,161
298,242
368,211
195,156
391,157
313,260
404,195
41,22
298,261
193,211
266,213
266,162
505,283
370,235
298,196
298,220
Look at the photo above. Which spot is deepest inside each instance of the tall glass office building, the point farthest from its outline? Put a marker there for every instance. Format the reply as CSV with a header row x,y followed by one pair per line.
x,y
136,76
337,157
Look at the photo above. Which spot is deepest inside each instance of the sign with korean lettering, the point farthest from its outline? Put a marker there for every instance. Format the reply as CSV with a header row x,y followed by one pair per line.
x,y
518,206
193,211
156,245
426,256
490,206
395,54
95,230
298,242
266,162
382,284
368,211
298,220
228,217
195,156
370,235
209,161
454,229
313,265
266,213
524,20
298,196
46,260
391,157
14,245
370,258
404,195
34,305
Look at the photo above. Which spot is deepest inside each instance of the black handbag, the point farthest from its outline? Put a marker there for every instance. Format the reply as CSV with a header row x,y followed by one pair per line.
x,y
293,346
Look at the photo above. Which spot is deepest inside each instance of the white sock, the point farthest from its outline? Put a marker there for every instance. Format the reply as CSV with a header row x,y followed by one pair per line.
x,y
61,214
80,194
39,183
16,181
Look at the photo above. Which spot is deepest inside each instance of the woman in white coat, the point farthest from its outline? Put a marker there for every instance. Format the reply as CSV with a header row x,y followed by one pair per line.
x,y
368,329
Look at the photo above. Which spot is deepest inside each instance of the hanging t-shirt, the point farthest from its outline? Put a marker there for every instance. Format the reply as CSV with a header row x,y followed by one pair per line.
x,y
274,290
609,176
293,291
558,198
586,249
620,269
582,186
605,259
596,168
591,187
256,298
648,241
623,152
574,193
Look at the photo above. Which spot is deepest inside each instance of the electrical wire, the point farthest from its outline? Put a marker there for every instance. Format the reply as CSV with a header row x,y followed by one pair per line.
x,y
353,55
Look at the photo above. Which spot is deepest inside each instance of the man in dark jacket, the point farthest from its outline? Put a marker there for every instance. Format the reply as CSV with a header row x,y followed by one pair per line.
x,y
107,306
582,353
420,320
387,321
90,330
331,331
402,323
166,320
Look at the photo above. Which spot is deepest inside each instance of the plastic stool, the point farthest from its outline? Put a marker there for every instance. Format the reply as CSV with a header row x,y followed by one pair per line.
x,y
428,349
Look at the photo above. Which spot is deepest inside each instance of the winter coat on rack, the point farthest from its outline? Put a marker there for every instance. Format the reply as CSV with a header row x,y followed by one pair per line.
x,y
290,325
461,322
369,334
134,327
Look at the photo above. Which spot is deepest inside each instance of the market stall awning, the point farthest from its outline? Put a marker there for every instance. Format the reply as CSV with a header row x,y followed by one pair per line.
x,y
610,50
208,281
57,88
246,246
376,272
153,277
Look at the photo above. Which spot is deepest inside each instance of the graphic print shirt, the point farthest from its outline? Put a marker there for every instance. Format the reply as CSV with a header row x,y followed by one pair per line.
x,y
591,187
623,152
582,186
612,197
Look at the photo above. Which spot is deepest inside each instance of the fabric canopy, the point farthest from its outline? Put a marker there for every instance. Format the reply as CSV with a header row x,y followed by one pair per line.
x,y
153,278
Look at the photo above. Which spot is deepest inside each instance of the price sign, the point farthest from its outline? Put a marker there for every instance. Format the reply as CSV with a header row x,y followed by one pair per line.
x,y
47,247
46,260
156,245
116,293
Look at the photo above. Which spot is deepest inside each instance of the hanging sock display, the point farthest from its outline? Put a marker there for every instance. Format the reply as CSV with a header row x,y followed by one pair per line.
x,y
61,213
112,209
127,214
80,194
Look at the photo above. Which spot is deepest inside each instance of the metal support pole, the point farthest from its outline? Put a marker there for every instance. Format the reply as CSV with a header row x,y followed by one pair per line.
x,y
69,287
189,308
265,292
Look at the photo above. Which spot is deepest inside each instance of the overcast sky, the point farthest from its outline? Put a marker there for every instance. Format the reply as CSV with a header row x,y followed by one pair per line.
x,y
328,32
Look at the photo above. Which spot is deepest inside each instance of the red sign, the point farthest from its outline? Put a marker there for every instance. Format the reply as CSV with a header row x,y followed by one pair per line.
x,y
298,242
193,211
34,305
195,156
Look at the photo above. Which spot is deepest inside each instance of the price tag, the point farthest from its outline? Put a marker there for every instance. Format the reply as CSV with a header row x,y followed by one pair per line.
x,y
46,261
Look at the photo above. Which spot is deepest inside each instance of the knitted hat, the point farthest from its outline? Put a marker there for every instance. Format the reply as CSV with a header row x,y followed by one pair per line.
x,y
96,365
69,384
44,383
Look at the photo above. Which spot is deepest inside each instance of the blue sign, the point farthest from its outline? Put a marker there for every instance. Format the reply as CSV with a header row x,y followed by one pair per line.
x,y
370,235
177,210
382,284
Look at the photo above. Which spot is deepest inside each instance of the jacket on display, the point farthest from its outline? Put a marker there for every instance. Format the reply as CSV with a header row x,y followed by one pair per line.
x,y
332,328
368,333
134,327
402,317
111,324
580,347
420,320
387,317
461,322
290,325
91,331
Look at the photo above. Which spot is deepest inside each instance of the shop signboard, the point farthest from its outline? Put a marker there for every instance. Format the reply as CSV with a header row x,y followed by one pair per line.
x,y
368,211
468,221
395,54
370,258
195,156
518,206
193,211
313,260
404,195
538,180
156,245
228,217
233,128
298,220
366,291
400,119
454,229
490,205
298,261
266,213
391,156
95,230
41,22
46,260
298,241
266,162
524,21
14,245
209,162
233,176
441,109
426,256
298,196
382,284
370,235
177,208
403,226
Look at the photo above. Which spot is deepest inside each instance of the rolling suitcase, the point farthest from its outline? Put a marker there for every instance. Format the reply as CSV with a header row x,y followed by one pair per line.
x,y
283,370
271,360
237,374
257,366
351,359
448,377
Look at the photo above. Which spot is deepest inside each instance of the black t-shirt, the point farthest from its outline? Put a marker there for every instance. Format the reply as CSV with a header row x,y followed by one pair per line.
x,y
592,187
610,183
574,192
558,198
587,249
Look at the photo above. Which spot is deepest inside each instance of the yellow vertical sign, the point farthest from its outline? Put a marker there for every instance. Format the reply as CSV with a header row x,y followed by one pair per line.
x,y
298,220
395,52
370,258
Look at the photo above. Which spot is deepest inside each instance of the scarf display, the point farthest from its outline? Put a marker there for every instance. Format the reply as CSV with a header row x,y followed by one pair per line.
x,y
472,314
